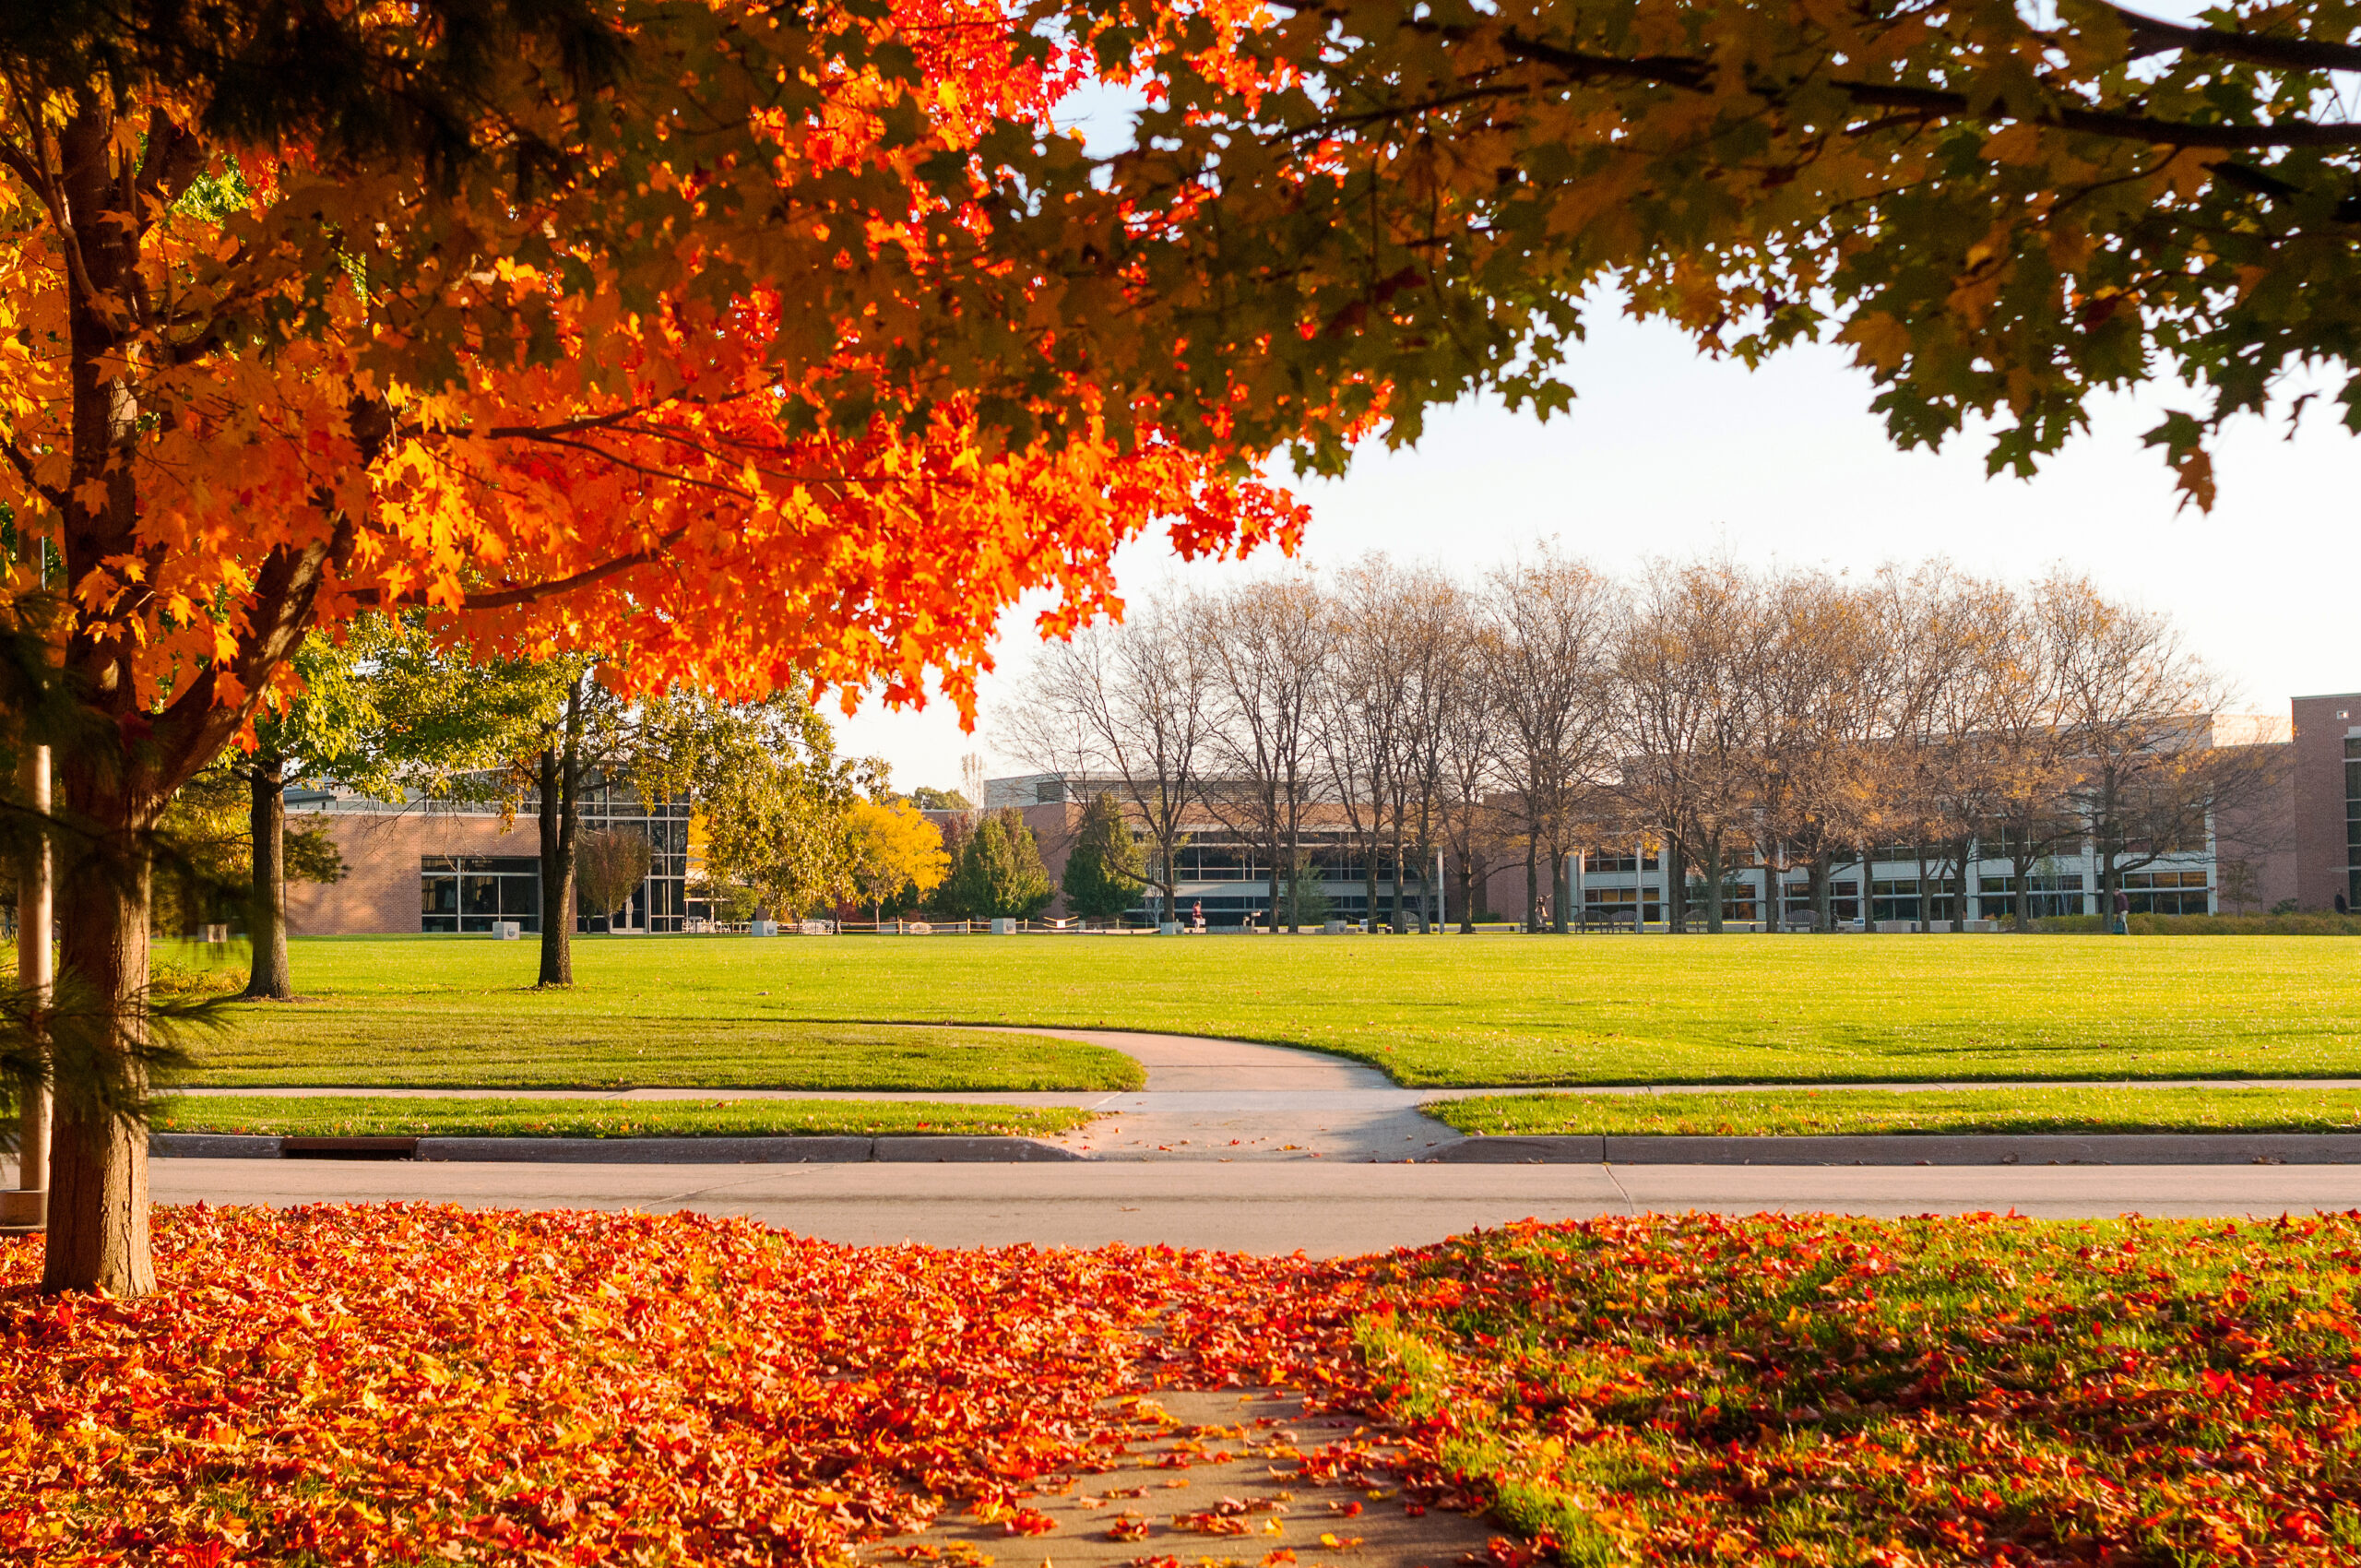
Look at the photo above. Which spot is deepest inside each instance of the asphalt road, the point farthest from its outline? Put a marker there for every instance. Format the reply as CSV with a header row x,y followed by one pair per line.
x,y
1317,1206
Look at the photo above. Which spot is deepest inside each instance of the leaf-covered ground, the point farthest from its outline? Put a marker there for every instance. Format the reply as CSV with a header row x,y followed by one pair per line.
x,y
412,1384
1815,1113
487,1117
348,1385
1808,1390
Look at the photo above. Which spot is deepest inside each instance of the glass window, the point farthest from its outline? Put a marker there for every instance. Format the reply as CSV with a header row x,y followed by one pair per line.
x,y
478,896
439,896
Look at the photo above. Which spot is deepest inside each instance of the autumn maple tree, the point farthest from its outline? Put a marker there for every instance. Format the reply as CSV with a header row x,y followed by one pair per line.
x,y
750,353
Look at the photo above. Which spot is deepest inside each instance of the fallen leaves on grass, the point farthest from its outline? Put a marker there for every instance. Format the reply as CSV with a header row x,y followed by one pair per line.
x,y
1983,1390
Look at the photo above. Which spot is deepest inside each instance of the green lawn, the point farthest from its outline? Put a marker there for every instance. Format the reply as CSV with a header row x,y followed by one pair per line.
x,y
425,1116
1804,1112
1503,1010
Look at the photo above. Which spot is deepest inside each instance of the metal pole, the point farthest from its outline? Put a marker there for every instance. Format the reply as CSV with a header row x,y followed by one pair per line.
x,y
1575,894
33,973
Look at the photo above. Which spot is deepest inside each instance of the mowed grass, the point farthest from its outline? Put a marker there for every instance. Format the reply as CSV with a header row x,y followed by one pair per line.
x,y
1486,1010
415,1014
1826,1112
424,1116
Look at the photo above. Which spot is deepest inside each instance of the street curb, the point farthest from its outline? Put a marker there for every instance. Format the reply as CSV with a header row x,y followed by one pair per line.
x,y
951,1147
645,1151
1916,1148
211,1146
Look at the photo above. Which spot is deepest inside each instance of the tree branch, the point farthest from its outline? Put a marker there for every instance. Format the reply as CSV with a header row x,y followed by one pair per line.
x,y
1693,74
528,593
2150,35
23,467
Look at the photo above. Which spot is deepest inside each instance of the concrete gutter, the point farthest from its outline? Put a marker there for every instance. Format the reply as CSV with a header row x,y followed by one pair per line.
x,y
612,1151
1913,1148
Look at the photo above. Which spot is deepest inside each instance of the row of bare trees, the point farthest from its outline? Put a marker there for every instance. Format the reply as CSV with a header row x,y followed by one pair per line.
x,y
1721,718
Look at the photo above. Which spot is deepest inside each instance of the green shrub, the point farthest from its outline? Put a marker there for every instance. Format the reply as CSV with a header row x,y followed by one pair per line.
x,y
2208,925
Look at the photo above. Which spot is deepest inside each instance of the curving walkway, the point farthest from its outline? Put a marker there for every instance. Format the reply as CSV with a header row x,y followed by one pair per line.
x,y
1229,1100
1208,1099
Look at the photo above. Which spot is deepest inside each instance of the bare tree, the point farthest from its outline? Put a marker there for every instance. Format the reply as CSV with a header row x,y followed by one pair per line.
x,y
1431,619
1266,644
1469,735
1133,704
1550,630
2017,772
1360,709
1818,696
1682,677
2133,711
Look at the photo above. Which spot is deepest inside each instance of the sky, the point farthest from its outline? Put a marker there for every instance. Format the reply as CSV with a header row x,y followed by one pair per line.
x,y
1665,454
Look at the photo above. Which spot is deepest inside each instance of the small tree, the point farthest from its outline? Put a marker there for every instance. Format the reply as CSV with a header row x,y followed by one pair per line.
x,y
1000,875
891,849
2236,886
608,868
1103,873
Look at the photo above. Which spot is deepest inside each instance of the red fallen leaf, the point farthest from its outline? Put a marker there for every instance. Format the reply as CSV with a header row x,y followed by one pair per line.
x,y
1213,1524
1131,1526
1030,1521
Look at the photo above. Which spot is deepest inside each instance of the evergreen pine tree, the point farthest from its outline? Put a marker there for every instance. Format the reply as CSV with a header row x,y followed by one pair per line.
x,y
999,873
1026,890
1103,874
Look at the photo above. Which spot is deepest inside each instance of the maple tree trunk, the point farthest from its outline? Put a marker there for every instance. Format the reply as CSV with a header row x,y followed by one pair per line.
x,y
97,1163
270,979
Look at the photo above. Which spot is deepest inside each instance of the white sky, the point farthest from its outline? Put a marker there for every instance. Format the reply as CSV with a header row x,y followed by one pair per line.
x,y
1667,454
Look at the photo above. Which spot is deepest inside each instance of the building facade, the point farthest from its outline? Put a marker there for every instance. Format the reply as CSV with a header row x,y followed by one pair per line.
x,y
434,868
428,867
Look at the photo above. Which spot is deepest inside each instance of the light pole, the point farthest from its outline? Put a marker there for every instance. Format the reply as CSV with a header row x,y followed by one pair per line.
x,y
27,1208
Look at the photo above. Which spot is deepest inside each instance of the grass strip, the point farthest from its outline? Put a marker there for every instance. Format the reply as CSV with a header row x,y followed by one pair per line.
x,y
1808,1390
444,1117
1487,1010
1828,1113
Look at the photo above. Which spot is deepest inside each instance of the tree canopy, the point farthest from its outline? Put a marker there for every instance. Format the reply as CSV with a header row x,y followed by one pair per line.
x,y
2001,209
893,850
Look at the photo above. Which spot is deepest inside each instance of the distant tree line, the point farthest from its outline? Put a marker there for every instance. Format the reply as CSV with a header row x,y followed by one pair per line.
x,y
1710,715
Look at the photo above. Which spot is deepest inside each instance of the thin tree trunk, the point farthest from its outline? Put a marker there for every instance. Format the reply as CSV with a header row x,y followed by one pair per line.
x,y
1714,883
1676,885
97,1163
1532,883
559,818
270,978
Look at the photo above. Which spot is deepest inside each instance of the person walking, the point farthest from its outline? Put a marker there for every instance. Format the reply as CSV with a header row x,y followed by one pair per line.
x,y
1197,916
2123,926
